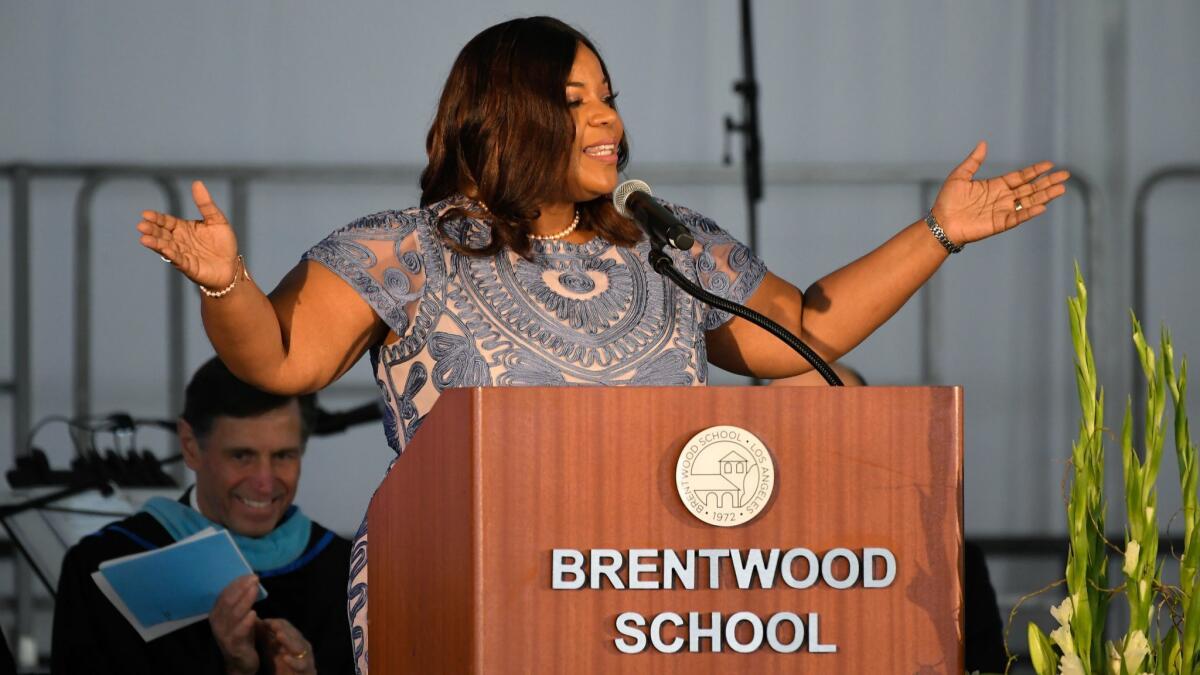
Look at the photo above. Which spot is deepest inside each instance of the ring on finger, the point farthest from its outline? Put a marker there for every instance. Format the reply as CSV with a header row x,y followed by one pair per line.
x,y
302,654
164,259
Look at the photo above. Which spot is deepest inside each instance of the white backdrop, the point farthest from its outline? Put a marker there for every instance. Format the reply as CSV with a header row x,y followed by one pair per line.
x,y
1108,87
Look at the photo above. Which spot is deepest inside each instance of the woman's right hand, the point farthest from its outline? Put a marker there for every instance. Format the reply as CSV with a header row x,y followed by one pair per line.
x,y
205,250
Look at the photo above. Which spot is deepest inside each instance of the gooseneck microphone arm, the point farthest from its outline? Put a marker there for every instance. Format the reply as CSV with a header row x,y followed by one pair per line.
x,y
634,200
661,262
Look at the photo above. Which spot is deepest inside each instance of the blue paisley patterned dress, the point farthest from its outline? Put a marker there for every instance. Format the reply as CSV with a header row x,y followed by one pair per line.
x,y
575,314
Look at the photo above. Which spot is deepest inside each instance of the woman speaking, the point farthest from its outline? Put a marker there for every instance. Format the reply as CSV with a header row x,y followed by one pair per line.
x,y
517,270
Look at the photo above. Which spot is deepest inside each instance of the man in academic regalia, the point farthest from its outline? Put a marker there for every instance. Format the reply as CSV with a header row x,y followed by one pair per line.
x,y
245,447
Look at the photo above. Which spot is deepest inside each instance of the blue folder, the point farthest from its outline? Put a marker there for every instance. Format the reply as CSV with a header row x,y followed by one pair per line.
x,y
178,581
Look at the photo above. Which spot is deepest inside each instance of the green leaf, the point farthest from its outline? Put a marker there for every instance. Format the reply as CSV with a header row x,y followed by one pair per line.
x,y
1045,659
1168,653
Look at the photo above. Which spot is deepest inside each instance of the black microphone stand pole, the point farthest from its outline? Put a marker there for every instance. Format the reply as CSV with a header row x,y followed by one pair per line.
x,y
748,126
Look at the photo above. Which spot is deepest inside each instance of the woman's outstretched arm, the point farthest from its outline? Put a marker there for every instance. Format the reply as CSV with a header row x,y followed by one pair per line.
x,y
840,310
309,331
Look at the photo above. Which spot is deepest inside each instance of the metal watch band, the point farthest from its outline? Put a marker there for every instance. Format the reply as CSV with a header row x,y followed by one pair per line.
x,y
940,234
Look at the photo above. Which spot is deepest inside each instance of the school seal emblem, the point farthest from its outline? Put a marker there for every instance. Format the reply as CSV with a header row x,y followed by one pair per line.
x,y
725,476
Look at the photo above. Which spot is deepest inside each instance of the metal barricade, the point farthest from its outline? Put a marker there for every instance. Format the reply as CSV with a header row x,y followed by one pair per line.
x,y
241,180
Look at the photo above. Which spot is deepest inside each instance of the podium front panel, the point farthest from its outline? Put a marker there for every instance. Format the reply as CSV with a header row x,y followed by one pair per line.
x,y
463,535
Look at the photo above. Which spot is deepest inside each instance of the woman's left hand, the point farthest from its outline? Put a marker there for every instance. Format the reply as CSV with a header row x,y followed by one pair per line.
x,y
969,209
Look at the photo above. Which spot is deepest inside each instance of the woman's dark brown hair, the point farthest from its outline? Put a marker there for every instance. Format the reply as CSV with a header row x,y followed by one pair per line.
x,y
503,134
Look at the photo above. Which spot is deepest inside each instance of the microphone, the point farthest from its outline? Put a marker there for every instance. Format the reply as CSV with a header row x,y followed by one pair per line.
x,y
634,200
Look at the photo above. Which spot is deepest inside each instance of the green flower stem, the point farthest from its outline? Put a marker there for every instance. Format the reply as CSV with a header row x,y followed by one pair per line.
x,y
1141,492
1149,646
1185,455
1087,561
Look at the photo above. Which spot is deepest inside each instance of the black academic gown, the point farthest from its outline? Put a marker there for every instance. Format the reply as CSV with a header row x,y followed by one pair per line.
x,y
91,636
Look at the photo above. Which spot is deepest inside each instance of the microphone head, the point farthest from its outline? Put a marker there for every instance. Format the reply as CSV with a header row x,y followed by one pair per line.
x,y
624,190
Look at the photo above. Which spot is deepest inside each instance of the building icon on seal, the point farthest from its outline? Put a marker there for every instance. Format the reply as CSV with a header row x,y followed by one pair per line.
x,y
727,488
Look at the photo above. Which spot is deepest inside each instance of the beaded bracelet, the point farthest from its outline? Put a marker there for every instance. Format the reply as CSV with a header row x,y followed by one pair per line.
x,y
241,272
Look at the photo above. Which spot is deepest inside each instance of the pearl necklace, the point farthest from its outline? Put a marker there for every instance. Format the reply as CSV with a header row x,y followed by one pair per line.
x,y
554,237
544,237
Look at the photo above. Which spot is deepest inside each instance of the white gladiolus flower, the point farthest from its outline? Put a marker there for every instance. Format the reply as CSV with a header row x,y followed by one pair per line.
x,y
1063,611
1137,647
1131,557
1061,636
1071,665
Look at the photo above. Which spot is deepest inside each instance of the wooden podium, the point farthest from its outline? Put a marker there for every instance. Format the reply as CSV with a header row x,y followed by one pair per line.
x,y
463,530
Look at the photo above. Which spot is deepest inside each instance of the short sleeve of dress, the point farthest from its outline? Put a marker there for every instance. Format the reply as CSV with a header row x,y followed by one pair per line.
x,y
725,266
388,258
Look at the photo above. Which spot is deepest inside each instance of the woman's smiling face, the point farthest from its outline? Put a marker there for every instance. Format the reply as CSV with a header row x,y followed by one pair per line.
x,y
592,171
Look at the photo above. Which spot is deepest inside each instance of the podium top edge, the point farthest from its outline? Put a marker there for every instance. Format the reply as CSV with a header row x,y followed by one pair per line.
x,y
715,387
